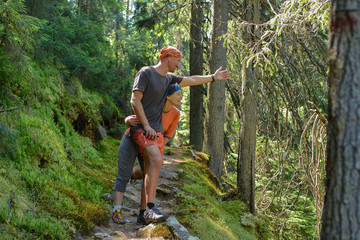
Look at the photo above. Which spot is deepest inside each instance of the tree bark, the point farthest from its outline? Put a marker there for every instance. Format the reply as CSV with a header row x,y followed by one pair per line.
x,y
247,138
214,131
196,68
341,215
247,143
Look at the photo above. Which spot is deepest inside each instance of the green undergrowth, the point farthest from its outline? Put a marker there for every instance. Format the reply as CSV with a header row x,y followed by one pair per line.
x,y
52,186
52,171
287,212
202,210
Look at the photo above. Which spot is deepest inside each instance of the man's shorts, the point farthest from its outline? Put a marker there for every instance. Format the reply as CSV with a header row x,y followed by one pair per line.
x,y
143,141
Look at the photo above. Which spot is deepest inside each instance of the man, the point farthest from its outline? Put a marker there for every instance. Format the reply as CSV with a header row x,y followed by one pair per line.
x,y
128,150
149,93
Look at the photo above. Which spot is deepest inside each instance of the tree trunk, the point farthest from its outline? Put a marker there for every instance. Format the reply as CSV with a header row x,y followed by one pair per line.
x,y
214,131
341,215
117,41
127,13
79,6
196,68
247,143
247,138
88,9
32,7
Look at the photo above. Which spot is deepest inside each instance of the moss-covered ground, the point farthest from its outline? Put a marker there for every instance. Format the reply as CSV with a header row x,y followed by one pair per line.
x,y
203,210
53,172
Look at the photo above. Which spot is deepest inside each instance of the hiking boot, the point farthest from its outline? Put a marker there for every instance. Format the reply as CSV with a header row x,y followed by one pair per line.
x,y
154,215
116,217
140,220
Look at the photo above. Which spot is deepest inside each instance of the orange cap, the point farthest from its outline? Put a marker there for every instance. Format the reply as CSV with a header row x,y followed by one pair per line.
x,y
169,52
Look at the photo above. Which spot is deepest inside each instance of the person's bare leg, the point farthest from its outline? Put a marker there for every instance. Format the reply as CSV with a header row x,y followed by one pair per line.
x,y
141,220
143,195
118,197
143,198
116,216
155,160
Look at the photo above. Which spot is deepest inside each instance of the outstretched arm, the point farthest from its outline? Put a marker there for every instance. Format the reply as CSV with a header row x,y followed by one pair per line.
x,y
219,75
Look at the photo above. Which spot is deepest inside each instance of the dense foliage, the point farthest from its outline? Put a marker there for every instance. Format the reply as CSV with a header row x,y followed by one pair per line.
x,y
287,58
67,67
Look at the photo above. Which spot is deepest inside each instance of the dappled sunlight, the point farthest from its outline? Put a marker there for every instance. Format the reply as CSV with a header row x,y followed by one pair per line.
x,y
219,230
209,217
169,160
71,73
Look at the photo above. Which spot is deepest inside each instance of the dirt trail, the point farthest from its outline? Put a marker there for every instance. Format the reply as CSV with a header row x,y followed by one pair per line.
x,y
164,201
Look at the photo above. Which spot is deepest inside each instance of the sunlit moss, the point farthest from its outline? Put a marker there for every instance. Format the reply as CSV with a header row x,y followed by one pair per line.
x,y
55,174
164,232
202,210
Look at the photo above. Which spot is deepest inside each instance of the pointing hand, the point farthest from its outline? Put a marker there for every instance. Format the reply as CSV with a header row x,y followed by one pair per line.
x,y
222,74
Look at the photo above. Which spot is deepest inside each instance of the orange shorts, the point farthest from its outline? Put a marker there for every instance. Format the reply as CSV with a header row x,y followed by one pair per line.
x,y
143,141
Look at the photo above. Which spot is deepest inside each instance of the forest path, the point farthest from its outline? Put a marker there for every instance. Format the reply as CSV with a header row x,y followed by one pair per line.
x,y
168,184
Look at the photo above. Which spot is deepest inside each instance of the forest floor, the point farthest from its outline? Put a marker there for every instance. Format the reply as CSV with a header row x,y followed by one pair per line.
x,y
165,201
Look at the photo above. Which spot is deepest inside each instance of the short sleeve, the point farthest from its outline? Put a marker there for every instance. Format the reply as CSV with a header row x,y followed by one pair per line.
x,y
172,127
141,81
175,78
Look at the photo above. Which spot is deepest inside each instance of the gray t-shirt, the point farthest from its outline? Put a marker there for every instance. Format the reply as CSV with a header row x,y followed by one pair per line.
x,y
155,88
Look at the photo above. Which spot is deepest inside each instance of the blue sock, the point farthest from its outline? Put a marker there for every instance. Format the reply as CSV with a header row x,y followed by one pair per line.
x,y
116,207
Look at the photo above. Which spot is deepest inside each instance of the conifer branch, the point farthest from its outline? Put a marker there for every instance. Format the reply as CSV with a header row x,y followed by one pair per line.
x,y
8,110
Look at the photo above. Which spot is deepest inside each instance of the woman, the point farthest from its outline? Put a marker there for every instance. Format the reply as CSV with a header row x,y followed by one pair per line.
x,y
129,150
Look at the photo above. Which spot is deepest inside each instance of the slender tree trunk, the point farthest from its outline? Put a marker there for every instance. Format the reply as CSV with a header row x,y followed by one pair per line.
x,y
214,131
127,13
247,139
247,143
179,40
32,7
117,41
79,6
341,215
88,9
196,68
